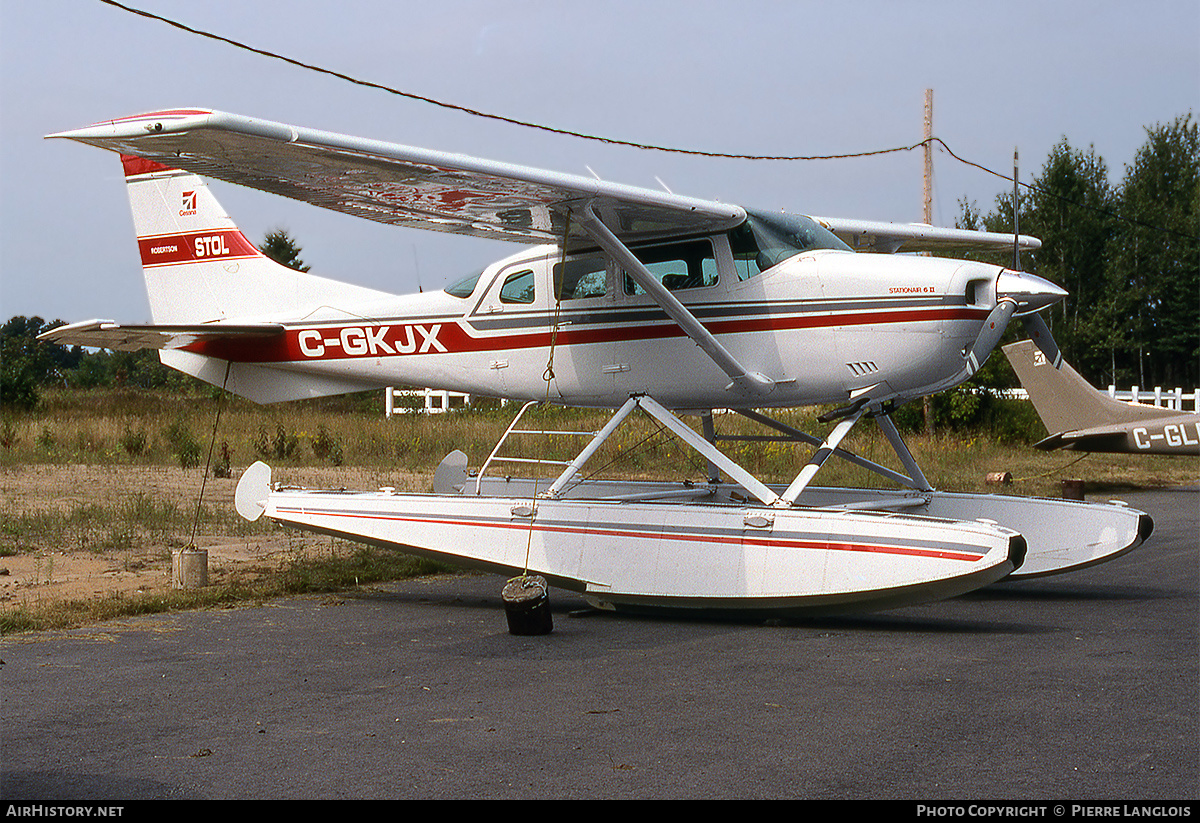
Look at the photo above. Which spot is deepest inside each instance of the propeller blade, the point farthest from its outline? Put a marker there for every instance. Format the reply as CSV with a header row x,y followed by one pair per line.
x,y
990,334
1039,333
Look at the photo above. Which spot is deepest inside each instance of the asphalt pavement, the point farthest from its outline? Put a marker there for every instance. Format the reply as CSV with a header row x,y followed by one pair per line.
x,y
1080,686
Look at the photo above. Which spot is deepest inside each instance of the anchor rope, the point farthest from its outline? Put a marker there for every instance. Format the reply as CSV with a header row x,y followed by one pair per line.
x,y
208,464
1054,470
548,374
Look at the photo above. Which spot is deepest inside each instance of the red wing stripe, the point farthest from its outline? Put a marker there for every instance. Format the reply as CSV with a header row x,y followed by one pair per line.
x,y
165,114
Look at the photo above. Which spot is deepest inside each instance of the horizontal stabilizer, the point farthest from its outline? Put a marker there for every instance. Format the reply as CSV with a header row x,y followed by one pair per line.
x,y
1099,439
106,334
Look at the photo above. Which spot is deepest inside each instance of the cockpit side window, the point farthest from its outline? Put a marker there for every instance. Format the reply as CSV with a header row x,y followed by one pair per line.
x,y
745,251
677,266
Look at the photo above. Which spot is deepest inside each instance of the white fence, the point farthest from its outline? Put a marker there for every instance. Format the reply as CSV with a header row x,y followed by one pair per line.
x,y
1158,396
439,402
434,402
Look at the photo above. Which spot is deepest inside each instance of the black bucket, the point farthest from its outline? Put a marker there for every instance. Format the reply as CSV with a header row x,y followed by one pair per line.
x,y
527,605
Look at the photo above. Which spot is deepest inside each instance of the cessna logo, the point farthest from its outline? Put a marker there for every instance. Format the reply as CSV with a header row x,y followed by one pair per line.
x,y
189,204
370,341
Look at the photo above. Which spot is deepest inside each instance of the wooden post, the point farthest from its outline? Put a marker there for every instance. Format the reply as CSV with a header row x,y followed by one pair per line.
x,y
1072,489
189,568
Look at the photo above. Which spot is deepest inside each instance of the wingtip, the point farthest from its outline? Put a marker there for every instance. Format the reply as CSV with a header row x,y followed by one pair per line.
x,y
138,124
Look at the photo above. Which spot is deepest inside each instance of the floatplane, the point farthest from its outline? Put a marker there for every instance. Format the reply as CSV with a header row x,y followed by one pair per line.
x,y
644,300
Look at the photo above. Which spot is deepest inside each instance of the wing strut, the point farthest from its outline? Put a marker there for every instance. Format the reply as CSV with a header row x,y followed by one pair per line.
x,y
751,383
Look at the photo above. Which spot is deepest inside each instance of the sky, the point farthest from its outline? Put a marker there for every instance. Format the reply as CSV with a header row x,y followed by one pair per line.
x,y
744,77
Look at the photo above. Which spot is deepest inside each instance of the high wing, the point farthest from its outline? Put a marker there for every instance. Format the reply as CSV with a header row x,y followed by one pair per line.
x,y
106,334
888,238
421,188
400,185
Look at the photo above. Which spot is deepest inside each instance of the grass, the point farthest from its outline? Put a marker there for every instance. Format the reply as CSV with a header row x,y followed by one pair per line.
x,y
301,576
118,428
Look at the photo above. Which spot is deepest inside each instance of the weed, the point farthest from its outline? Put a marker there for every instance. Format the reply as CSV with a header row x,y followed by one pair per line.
x,y
326,447
222,467
120,538
46,439
86,442
8,434
187,449
133,442
282,446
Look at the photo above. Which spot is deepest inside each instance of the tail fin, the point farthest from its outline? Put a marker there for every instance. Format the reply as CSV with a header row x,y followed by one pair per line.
x,y
200,268
198,265
1064,400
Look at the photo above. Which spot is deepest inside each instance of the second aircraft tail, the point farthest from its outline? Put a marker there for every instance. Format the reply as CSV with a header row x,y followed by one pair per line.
x,y
1064,400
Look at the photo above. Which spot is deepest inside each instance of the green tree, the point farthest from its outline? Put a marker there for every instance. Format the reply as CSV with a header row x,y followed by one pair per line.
x,y
1127,254
27,364
1154,273
280,247
1071,212
1068,207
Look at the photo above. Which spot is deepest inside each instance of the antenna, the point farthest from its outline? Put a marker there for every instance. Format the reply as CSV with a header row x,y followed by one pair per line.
x,y
927,401
417,268
1016,217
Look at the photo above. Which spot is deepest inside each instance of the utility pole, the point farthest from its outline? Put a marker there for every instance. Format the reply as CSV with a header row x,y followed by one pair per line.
x,y
927,401
928,157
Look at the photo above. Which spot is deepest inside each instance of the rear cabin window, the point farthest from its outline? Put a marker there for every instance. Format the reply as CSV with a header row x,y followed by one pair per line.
x,y
586,277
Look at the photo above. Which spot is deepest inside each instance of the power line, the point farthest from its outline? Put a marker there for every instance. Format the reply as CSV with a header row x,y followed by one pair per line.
x,y
500,117
610,140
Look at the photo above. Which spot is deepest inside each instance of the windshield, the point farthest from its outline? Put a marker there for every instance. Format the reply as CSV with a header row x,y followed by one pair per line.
x,y
773,238
463,288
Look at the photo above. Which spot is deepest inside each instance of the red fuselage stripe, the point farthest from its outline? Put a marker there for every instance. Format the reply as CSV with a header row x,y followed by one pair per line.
x,y
450,336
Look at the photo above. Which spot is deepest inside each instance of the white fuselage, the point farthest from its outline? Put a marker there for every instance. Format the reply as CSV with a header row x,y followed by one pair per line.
x,y
823,325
